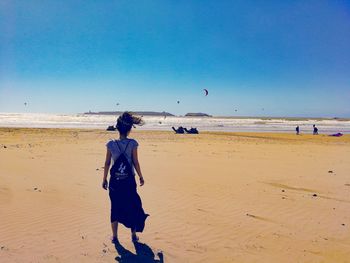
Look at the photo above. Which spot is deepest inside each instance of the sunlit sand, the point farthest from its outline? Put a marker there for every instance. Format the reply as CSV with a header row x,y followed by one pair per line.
x,y
212,197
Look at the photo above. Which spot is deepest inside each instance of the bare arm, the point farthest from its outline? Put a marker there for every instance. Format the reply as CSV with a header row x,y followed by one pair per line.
x,y
106,169
135,160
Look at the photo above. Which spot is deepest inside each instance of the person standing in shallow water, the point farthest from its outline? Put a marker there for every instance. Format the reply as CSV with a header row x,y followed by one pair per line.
x,y
297,130
126,205
315,131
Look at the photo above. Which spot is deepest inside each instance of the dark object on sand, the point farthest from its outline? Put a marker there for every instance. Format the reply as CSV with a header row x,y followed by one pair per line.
x,y
330,171
191,131
339,134
179,130
111,128
315,195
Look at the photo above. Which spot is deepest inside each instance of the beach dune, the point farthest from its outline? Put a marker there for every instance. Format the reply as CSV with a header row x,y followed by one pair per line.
x,y
213,197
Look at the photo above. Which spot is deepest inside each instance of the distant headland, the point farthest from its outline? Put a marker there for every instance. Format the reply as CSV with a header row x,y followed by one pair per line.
x,y
142,113
198,114
148,113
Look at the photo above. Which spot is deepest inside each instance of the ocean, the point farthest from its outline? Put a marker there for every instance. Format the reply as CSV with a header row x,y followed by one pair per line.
x,y
226,124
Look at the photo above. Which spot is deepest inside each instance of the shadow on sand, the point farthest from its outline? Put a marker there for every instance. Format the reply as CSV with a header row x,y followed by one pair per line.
x,y
144,254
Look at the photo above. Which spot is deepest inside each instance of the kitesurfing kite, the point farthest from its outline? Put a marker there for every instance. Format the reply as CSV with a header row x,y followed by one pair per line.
x,y
178,102
206,92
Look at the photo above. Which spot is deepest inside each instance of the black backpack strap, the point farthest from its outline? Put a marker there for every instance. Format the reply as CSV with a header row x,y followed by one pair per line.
x,y
122,152
126,147
118,145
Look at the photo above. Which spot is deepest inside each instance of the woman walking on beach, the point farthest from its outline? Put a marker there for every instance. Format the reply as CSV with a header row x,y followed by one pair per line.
x,y
126,205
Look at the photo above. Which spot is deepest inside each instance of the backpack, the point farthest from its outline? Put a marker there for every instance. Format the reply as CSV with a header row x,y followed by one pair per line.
x,y
121,168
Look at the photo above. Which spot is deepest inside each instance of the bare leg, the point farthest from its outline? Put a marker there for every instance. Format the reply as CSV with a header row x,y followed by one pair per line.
x,y
115,230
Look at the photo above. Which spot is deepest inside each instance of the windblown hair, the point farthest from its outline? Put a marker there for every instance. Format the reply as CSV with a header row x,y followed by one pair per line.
x,y
126,121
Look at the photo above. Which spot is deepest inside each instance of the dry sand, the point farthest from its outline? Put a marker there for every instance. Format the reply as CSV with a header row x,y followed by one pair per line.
x,y
214,197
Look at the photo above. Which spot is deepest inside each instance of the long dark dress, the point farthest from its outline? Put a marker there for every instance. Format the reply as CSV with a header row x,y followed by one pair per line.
x,y
126,205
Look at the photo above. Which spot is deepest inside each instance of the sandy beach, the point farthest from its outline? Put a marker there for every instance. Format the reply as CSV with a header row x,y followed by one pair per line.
x,y
213,197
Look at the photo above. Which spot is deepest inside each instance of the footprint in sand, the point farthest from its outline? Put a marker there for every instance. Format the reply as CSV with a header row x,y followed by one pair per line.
x,y
250,215
3,248
261,218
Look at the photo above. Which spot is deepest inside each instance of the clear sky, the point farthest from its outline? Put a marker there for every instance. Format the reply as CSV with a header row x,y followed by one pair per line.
x,y
273,58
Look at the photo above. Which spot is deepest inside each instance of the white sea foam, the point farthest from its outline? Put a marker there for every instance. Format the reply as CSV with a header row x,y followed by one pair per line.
x,y
41,120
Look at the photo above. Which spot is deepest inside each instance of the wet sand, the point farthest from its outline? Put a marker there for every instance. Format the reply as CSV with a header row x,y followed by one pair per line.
x,y
213,197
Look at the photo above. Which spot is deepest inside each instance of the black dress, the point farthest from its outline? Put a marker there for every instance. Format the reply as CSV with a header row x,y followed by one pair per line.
x,y
126,205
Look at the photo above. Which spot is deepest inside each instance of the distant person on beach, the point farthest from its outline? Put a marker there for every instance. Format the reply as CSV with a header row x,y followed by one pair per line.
x,y
315,132
126,205
297,130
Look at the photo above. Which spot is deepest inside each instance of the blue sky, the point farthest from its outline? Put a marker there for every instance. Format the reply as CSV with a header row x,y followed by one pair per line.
x,y
290,58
